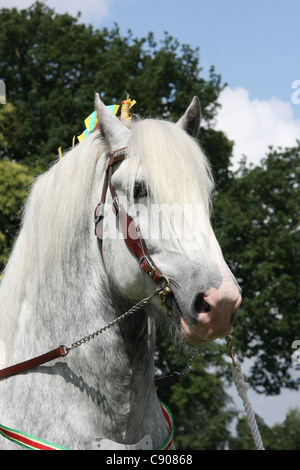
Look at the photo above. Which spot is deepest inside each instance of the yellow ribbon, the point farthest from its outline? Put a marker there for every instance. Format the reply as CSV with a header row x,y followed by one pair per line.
x,y
91,122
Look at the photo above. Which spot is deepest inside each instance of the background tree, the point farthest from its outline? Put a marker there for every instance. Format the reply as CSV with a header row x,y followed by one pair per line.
x,y
52,66
15,180
283,436
258,227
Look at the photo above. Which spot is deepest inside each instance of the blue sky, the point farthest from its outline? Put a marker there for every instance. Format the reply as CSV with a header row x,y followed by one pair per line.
x,y
254,45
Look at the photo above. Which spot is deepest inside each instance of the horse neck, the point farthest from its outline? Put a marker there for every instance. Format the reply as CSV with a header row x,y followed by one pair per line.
x,y
135,336
59,300
113,372
128,373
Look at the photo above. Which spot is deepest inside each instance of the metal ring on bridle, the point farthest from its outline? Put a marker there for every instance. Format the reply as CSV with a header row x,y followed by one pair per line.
x,y
163,295
167,289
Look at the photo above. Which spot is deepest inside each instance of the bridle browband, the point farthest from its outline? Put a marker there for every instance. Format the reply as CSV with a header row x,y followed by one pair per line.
x,y
132,237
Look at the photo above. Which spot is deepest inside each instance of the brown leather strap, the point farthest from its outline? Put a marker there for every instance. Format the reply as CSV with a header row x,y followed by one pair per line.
x,y
115,157
133,239
137,246
175,378
60,352
36,361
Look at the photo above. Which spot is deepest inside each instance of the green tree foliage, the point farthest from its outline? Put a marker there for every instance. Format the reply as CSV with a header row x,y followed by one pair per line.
x,y
284,436
52,66
258,227
14,184
202,410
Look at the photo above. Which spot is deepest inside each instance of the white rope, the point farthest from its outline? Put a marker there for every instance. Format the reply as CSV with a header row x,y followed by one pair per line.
x,y
242,388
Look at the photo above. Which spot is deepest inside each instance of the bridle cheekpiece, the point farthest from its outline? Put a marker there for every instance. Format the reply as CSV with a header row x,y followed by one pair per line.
x,y
133,238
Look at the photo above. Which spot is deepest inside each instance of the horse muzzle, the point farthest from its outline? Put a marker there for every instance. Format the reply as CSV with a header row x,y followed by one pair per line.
x,y
206,316
211,315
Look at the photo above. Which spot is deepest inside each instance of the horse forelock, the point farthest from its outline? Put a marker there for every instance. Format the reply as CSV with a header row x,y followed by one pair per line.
x,y
174,165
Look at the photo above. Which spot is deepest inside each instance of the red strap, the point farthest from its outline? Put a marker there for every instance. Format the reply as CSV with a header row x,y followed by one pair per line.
x,y
137,246
168,417
133,239
175,378
36,361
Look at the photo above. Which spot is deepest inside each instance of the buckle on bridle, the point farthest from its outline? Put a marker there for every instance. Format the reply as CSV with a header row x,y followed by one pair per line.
x,y
145,258
99,212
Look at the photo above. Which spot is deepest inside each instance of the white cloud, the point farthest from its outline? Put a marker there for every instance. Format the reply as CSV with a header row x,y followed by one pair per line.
x,y
91,10
254,125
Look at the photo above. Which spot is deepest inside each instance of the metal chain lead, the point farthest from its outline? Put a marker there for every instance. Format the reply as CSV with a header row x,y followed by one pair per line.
x,y
129,312
187,367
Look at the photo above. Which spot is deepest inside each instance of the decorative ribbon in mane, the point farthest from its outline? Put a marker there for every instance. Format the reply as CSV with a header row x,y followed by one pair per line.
x,y
91,122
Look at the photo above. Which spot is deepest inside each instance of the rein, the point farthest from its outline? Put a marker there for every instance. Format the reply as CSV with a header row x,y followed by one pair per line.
x,y
63,350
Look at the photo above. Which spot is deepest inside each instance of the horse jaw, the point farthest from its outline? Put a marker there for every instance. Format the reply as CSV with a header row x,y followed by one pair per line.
x,y
112,130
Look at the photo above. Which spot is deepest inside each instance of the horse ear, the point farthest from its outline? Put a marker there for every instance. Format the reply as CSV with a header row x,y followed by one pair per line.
x,y
112,130
190,121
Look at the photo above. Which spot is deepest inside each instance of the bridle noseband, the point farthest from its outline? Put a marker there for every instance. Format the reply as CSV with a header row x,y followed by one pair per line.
x,y
132,237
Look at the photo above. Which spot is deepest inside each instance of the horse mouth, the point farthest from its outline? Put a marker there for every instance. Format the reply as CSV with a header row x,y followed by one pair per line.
x,y
189,334
196,330
184,327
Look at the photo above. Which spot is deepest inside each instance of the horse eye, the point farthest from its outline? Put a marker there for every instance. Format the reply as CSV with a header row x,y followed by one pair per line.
x,y
140,190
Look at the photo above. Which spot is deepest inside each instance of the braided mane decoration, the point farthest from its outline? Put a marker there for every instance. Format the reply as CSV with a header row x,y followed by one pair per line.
x,y
91,122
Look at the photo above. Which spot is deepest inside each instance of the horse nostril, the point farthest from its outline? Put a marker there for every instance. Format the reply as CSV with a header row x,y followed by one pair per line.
x,y
200,305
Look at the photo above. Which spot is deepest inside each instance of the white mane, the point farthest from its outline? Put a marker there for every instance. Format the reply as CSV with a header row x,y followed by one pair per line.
x,y
179,177
57,210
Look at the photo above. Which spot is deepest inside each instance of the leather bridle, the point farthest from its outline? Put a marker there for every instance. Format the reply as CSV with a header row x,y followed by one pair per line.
x,y
131,234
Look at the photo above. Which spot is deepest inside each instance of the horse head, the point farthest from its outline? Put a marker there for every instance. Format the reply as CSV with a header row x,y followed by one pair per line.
x,y
163,182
